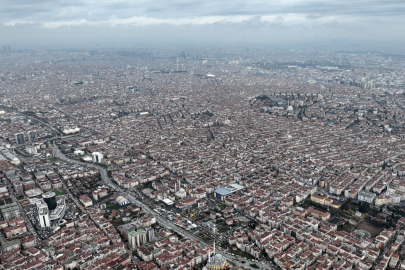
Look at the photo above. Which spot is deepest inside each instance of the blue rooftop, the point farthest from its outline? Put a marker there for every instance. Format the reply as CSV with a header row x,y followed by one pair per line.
x,y
222,191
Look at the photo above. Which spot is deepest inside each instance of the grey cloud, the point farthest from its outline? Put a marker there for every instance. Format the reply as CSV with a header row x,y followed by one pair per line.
x,y
375,20
313,17
45,10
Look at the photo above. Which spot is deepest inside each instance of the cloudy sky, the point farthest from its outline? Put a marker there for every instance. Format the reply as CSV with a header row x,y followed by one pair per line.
x,y
377,22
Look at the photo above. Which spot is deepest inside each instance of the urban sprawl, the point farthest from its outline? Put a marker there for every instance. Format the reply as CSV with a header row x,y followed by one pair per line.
x,y
217,158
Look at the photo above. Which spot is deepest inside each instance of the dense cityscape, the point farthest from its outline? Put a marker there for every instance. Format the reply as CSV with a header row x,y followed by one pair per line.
x,y
201,158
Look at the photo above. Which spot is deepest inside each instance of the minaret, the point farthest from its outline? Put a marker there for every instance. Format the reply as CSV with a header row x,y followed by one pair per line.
x,y
214,247
209,255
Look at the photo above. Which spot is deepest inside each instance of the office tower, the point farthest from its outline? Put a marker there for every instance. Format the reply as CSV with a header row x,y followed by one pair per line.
x,y
150,234
19,190
50,200
19,138
97,157
43,213
180,67
32,136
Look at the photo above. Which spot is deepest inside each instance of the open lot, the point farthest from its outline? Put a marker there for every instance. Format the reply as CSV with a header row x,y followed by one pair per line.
x,y
222,228
115,206
372,229
60,192
334,220
242,254
348,228
147,191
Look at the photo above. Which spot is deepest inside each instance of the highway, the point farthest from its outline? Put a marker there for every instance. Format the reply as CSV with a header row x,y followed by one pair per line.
x,y
42,122
162,221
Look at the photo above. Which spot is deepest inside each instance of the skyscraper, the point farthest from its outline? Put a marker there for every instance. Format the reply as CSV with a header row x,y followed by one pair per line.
x,y
97,157
150,234
19,138
180,67
19,190
43,213
32,136
50,200
133,239
142,236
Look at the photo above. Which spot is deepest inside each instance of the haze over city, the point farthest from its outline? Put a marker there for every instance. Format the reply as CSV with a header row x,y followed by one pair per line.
x,y
371,24
189,135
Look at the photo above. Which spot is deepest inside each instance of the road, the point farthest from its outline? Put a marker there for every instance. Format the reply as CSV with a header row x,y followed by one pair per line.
x,y
42,122
162,221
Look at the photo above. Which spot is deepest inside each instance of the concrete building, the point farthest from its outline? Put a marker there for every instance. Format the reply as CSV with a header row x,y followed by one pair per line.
x,y
59,211
28,184
15,229
224,192
32,150
133,239
50,200
3,191
10,211
212,227
142,236
32,136
18,187
394,260
85,200
12,245
99,194
145,254
43,213
97,157
34,193
180,67
150,234
19,138
366,196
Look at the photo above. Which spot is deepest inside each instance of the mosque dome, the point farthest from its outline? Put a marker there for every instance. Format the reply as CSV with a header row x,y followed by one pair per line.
x,y
218,256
